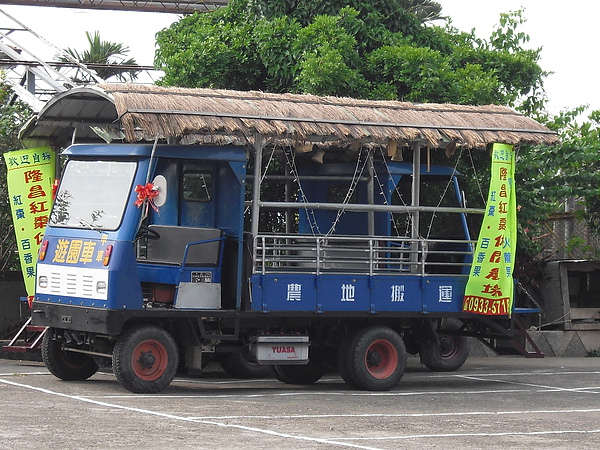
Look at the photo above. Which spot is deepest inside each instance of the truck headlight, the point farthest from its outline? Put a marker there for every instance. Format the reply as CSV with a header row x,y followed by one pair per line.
x,y
101,287
43,281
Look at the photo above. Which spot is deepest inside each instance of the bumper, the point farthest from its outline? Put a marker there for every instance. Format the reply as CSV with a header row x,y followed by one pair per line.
x,y
80,318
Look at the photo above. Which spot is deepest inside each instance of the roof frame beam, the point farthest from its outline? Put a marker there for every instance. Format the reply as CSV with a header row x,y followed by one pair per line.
x,y
164,6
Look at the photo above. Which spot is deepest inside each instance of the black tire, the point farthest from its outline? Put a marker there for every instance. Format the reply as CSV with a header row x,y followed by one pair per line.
x,y
375,359
301,374
273,372
145,359
342,358
68,366
105,347
242,365
450,354
411,344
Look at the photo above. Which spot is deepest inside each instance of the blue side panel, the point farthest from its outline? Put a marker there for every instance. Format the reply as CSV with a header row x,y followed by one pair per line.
x,y
124,290
443,294
169,212
343,293
162,273
358,293
396,293
284,293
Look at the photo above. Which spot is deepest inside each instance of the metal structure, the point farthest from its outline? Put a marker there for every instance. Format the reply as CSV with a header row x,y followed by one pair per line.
x,y
166,6
33,79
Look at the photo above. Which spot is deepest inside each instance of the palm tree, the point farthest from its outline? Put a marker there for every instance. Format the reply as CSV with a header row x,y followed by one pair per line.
x,y
107,58
425,10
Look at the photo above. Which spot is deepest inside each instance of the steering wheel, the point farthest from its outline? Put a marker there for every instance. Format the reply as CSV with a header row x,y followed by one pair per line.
x,y
147,232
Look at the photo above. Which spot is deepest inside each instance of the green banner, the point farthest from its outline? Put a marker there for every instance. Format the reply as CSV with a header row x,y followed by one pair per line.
x,y
30,175
490,288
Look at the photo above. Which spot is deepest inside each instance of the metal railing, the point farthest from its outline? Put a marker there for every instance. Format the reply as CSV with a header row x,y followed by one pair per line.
x,y
361,255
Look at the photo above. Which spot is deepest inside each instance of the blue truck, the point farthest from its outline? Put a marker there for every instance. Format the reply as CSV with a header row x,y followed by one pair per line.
x,y
159,257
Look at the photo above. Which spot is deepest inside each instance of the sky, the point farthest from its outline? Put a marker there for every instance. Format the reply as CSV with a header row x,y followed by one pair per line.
x,y
566,35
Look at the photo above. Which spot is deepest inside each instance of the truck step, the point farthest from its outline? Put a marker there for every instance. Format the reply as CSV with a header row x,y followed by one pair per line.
x,y
28,339
517,344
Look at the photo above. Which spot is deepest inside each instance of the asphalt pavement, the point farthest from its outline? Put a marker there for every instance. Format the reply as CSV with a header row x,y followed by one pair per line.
x,y
502,402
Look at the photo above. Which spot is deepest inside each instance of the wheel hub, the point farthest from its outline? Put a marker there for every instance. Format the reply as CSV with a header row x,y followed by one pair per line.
x,y
381,359
374,358
448,346
146,360
149,360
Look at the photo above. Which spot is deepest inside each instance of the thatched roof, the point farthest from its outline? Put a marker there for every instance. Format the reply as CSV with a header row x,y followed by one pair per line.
x,y
221,117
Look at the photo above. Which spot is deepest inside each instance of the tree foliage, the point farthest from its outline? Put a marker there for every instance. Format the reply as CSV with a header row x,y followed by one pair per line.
x,y
13,115
390,49
550,176
387,49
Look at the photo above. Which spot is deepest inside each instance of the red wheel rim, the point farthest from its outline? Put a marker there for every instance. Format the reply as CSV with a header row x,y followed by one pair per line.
x,y
149,360
381,359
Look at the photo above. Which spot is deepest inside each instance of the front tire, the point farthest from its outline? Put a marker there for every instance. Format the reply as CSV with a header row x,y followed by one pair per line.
x,y
145,359
375,359
68,366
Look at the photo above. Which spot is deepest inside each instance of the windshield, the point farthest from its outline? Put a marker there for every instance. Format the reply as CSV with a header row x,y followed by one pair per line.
x,y
93,194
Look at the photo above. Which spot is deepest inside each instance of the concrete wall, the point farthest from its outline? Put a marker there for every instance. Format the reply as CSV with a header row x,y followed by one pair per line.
x,y
13,313
553,343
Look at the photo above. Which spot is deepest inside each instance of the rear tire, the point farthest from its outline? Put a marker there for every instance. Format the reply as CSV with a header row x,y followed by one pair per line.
x,y
145,359
68,366
309,373
451,352
375,359
241,365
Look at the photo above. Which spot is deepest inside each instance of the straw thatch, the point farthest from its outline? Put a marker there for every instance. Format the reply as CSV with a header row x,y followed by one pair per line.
x,y
221,116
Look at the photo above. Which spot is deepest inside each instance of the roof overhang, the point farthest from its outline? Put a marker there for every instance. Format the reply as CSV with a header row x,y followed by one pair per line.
x,y
132,113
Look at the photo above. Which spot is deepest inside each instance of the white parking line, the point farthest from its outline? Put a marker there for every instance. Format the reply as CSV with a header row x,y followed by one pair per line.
x,y
451,435
511,374
187,419
352,442
521,383
317,393
403,415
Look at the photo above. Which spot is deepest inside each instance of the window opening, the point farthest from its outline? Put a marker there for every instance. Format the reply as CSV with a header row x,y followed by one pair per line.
x,y
197,186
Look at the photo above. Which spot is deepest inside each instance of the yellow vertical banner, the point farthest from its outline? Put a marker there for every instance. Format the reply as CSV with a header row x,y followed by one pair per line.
x,y
30,175
490,287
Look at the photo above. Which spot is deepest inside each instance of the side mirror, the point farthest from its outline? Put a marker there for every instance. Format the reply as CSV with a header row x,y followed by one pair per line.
x,y
160,182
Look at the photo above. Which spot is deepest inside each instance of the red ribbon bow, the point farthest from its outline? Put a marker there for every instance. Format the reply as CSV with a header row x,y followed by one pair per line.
x,y
147,192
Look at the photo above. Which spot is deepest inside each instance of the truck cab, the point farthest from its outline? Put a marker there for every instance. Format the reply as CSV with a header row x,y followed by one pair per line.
x,y
103,251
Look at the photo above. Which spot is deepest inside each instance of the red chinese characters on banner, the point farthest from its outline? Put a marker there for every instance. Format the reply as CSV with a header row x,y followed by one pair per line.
x,y
490,287
30,174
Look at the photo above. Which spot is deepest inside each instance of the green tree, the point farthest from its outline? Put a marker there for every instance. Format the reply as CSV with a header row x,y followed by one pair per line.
x,y
387,49
13,116
110,59
549,176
